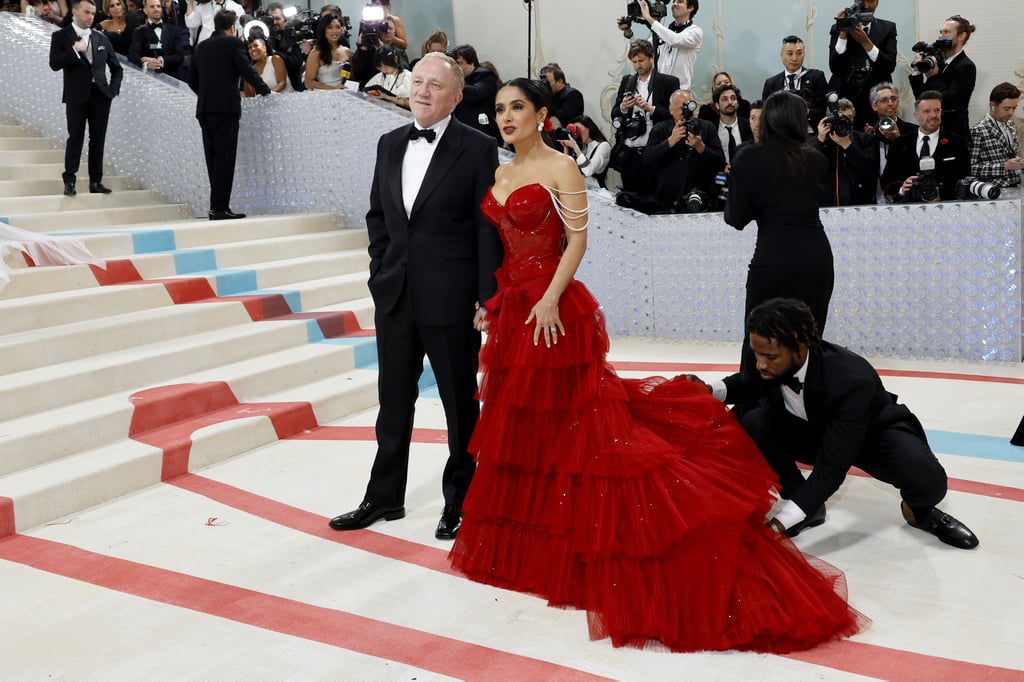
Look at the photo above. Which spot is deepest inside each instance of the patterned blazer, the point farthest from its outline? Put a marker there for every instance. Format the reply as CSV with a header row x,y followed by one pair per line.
x,y
990,149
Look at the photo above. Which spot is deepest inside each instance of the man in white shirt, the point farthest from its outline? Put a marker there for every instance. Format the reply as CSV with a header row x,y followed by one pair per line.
x,y
199,17
678,43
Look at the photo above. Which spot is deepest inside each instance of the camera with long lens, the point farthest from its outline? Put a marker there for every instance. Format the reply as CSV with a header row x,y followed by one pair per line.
x,y
633,125
842,125
925,187
372,24
971,188
885,124
694,201
932,54
570,131
658,10
855,16
689,117
721,189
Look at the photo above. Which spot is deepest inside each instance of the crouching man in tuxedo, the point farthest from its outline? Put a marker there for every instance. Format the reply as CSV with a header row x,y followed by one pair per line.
x,y
824,405
85,55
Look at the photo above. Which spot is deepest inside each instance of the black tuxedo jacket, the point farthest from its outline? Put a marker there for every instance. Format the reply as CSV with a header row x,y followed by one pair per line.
x,y
952,162
813,88
444,253
173,46
883,34
567,104
79,75
660,89
956,83
847,408
214,71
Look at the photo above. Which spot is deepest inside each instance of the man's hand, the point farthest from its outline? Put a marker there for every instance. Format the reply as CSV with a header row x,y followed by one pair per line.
x,y
480,321
677,135
1014,164
693,378
824,128
695,141
776,526
80,45
645,12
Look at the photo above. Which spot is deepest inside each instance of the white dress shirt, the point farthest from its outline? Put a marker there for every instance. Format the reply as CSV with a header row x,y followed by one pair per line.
x,y
418,154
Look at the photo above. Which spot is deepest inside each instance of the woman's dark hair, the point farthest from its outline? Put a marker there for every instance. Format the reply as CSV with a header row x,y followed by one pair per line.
x,y
784,129
323,46
533,92
785,320
592,129
266,45
388,56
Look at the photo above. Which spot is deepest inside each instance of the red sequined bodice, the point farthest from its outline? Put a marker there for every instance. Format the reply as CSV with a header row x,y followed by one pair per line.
x,y
531,231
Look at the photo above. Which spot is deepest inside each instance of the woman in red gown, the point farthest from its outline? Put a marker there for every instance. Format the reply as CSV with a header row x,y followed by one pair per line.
x,y
642,502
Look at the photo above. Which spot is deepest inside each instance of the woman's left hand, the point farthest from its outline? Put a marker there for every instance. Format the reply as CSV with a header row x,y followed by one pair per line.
x,y
548,324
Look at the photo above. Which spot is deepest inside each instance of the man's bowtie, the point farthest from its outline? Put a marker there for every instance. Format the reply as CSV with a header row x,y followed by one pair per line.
x,y
156,26
426,133
794,383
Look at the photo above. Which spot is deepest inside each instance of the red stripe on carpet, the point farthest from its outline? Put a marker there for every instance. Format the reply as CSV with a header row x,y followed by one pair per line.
x,y
679,367
441,655
884,663
368,433
960,485
313,524
7,526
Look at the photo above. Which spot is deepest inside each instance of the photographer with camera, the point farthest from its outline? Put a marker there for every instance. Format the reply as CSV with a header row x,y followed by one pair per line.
x,y
566,101
994,143
861,54
288,41
928,165
641,101
852,175
944,67
678,43
682,158
583,140
199,17
810,84
887,126
733,130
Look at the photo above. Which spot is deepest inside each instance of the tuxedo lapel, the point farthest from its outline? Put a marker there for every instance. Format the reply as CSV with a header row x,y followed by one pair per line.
x,y
449,148
814,386
393,164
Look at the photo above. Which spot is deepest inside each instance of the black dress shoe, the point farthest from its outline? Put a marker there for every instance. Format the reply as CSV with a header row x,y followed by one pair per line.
x,y
98,188
366,515
69,189
943,526
448,526
225,215
810,521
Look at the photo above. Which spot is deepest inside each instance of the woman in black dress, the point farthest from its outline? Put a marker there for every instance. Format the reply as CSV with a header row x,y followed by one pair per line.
x,y
776,182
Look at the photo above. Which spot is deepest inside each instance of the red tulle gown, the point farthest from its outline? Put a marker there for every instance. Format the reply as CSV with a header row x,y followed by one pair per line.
x,y
642,502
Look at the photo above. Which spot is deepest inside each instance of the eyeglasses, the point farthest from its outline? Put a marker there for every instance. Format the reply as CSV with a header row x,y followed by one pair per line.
x,y
888,100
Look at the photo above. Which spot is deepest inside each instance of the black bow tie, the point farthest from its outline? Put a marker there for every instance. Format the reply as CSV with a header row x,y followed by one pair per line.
x,y
156,26
794,383
426,133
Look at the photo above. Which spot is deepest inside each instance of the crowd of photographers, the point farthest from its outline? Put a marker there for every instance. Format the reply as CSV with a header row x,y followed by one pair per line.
x,y
673,156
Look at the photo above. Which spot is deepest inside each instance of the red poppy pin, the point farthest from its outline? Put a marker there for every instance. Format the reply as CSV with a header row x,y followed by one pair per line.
x,y
943,141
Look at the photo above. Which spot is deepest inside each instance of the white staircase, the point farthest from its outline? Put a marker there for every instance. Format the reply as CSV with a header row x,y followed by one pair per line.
x,y
200,340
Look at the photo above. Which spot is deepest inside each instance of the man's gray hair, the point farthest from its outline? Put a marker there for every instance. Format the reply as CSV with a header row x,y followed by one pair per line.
x,y
453,66
878,87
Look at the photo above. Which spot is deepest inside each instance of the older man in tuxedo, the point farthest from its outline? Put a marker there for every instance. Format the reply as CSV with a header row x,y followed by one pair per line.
x,y
85,56
824,405
432,262
952,161
157,46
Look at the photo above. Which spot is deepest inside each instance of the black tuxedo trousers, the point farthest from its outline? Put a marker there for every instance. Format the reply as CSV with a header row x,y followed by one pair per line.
x,y
95,112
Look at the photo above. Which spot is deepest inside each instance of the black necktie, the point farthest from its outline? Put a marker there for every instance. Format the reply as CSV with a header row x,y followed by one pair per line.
x,y
732,142
426,133
792,82
926,150
794,383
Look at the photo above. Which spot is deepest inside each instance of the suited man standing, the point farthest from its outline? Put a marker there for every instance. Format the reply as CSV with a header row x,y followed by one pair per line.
x,y
432,262
159,47
808,83
949,152
85,56
886,126
824,405
994,155
213,75
733,130
954,78
861,58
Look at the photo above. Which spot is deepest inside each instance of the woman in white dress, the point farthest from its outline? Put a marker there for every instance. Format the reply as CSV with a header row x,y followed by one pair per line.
x,y
326,64
268,65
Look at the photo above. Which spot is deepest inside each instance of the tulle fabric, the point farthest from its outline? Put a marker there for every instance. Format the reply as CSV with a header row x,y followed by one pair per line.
x,y
42,249
640,501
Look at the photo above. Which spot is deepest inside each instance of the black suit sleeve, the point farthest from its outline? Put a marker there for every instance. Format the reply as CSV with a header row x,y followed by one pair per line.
x,y
139,37
739,206
376,228
885,64
489,249
662,88
62,52
241,59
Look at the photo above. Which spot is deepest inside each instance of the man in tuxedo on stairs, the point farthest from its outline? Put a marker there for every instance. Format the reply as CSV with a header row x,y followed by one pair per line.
x,y
432,262
159,45
213,75
85,56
